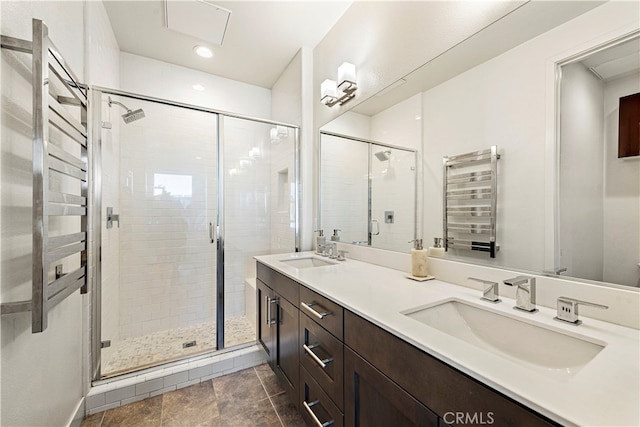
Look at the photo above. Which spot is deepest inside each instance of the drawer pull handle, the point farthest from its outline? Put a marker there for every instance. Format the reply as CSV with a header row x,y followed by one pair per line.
x,y
320,362
308,407
271,302
307,306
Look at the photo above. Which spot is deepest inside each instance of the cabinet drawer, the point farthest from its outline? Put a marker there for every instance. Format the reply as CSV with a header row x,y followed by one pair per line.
x,y
323,311
323,358
316,407
435,384
286,287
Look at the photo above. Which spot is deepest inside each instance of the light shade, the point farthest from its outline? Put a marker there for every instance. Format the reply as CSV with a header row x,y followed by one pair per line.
x,y
328,90
347,72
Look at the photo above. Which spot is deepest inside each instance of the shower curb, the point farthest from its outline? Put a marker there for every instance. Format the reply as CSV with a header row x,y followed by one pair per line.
x,y
112,393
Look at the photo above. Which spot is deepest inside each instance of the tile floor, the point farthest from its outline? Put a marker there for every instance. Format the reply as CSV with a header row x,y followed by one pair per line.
x,y
249,398
142,352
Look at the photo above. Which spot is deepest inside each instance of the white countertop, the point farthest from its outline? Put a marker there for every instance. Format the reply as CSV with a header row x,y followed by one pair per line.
x,y
605,392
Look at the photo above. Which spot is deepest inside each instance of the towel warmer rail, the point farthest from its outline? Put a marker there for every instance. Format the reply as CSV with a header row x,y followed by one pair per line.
x,y
60,176
470,201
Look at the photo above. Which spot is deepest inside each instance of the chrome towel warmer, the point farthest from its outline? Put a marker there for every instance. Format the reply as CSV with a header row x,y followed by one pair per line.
x,y
470,184
60,177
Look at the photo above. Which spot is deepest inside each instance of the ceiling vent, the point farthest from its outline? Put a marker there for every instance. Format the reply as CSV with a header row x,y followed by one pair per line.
x,y
198,18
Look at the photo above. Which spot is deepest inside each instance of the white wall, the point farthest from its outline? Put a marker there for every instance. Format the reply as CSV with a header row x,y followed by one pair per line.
x,y
286,93
286,107
621,193
42,374
581,173
163,80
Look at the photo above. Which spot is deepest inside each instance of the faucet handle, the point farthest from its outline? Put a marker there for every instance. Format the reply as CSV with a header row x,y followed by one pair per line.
x,y
341,256
525,292
568,309
490,292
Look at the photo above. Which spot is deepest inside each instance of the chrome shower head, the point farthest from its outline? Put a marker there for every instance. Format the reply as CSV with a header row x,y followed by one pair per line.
x,y
383,155
130,115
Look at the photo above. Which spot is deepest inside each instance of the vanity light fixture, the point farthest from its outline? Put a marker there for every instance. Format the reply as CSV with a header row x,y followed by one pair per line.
x,y
332,93
203,51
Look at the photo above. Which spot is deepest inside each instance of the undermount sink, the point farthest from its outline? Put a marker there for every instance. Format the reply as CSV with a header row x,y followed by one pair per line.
x,y
307,262
555,353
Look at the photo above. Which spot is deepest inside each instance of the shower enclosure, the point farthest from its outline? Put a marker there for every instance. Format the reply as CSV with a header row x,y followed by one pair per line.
x,y
185,197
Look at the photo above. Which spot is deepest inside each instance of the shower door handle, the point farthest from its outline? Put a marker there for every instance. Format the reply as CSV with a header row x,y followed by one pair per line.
x,y
212,237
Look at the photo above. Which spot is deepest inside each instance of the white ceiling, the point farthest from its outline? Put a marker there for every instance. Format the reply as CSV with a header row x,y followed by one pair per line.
x,y
616,61
262,37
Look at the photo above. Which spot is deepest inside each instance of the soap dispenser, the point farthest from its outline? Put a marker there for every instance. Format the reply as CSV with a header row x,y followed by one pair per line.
x,y
436,250
418,259
335,237
321,241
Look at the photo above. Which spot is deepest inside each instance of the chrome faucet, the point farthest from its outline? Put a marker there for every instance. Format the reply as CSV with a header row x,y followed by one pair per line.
x,y
322,249
490,291
568,309
331,250
525,292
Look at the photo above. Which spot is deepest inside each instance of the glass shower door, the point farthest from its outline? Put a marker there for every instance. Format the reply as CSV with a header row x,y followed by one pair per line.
x,y
159,175
393,176
259,192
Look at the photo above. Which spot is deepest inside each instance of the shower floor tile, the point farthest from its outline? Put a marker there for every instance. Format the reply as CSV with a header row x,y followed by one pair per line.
x,y
161,347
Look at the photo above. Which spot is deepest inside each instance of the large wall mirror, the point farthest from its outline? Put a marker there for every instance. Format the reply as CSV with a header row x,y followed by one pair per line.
x,y
598,215
471,98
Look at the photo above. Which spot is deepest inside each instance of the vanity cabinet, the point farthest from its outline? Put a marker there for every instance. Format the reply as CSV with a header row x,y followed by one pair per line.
x,y
342,369
277,330
452,395
372,399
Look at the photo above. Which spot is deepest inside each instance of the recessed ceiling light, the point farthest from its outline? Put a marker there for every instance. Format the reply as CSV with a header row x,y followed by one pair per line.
x,y
198,87
203,51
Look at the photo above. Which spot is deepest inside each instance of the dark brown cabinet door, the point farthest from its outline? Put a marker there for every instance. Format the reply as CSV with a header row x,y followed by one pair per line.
x,y
287,358
266,312
372,399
